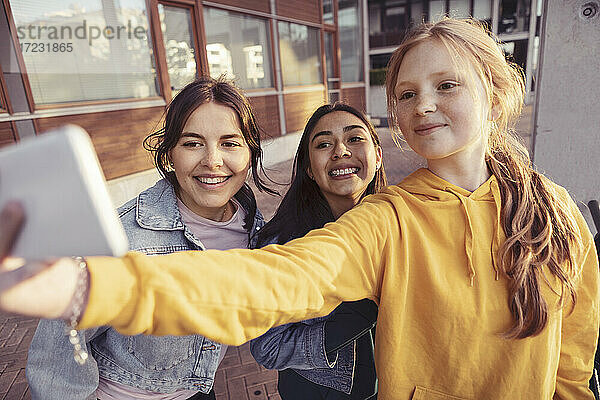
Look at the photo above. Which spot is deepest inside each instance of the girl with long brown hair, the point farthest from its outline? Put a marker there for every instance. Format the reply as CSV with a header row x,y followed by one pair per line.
x,y
483,269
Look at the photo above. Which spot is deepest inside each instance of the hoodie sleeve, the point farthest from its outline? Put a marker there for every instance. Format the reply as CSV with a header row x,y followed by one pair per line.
x,y
236,295
580,328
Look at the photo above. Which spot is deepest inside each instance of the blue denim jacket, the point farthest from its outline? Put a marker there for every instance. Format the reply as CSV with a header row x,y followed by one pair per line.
x,y
301,346
159,364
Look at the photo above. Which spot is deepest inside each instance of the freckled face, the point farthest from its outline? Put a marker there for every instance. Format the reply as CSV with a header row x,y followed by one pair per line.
x,y
343,157
441,114
211,160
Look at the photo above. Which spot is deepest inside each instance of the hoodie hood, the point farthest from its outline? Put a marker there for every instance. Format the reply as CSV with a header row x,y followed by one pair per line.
x,y
429,187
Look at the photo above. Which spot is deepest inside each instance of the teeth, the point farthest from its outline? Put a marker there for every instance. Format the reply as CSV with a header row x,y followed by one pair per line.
x,y
212,181
345,171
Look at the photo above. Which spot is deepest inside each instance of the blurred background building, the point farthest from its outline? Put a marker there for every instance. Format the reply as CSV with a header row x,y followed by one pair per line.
x,y
516,22
111,66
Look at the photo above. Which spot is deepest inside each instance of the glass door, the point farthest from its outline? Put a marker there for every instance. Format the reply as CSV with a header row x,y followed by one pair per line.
x,y
177,26
331,67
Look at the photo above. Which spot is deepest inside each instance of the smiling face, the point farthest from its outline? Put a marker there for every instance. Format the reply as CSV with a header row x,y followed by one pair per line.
x,y
442,112
343,159
211,160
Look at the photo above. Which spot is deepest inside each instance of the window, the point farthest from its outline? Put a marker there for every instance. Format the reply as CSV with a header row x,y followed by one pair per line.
x,y
460,8
350,37
328,11
389,20
514,16
482,10
516,51
86,50
300,54
238,46
329,54
437,9
178,35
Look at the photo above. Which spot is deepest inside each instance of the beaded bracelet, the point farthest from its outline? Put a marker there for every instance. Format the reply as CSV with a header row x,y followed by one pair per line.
x,y
76,310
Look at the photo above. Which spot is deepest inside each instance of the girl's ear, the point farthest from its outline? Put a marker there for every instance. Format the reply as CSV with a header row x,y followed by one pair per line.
x,y
494,112
310,174
170,166
379,158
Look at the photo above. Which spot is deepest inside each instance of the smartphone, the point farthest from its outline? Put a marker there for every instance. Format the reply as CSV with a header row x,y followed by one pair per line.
x,y
57,178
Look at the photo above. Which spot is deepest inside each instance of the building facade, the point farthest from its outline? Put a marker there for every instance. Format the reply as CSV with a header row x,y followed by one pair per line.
x,y
111,66
516,22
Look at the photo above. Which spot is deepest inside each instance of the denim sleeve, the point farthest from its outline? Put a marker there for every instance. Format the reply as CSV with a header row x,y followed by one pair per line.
x,y
299,345
52,372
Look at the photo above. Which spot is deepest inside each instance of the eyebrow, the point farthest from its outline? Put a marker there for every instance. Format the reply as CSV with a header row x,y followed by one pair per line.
x,y
434,75
346,129
199,136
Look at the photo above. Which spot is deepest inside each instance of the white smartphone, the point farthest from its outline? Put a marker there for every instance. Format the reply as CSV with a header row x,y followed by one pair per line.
x,y
57,178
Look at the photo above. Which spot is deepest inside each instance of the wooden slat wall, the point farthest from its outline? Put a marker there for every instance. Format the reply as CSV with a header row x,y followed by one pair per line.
x,y
305,10
256,5
299,107
7,136
266,110
355,97
117,137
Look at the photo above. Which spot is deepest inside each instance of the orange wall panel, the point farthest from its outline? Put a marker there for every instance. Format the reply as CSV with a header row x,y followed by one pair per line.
x,y
117,137
305,10
266,110
256,5
7,136
355,97
299,107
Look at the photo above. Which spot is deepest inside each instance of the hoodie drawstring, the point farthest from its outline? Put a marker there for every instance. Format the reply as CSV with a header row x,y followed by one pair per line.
x,y
496,239
469,234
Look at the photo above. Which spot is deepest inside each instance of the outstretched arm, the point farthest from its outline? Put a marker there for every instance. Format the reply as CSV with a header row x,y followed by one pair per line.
x,y
229,296
38,288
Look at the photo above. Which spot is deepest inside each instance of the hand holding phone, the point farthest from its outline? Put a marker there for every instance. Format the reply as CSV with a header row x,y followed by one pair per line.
x,y
38,288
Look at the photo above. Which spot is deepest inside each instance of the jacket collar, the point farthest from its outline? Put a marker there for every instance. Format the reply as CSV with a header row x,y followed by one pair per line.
x,y
157,208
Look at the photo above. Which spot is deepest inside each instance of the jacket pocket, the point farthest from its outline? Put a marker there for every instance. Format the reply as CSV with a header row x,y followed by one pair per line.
x,y
160,353
422,393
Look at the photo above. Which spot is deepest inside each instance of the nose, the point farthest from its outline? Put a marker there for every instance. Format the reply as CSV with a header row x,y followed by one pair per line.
x,y
341,151
425,105
212,158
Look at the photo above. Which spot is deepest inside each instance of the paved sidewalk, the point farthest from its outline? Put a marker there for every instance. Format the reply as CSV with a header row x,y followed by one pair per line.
x,y
238,377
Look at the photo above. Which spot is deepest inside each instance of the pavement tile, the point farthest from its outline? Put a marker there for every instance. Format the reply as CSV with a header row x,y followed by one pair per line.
x,y
257,392
245,355
261,377
241,370
220,385
236,389
271,387
16,391
7,330
6,380
16,337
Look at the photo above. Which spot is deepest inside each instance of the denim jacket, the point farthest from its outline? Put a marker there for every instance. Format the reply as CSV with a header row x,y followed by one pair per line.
x,y
301,347
159,364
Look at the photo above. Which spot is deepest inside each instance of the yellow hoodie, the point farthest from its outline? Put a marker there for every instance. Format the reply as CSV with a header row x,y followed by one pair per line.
x,y
422,249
